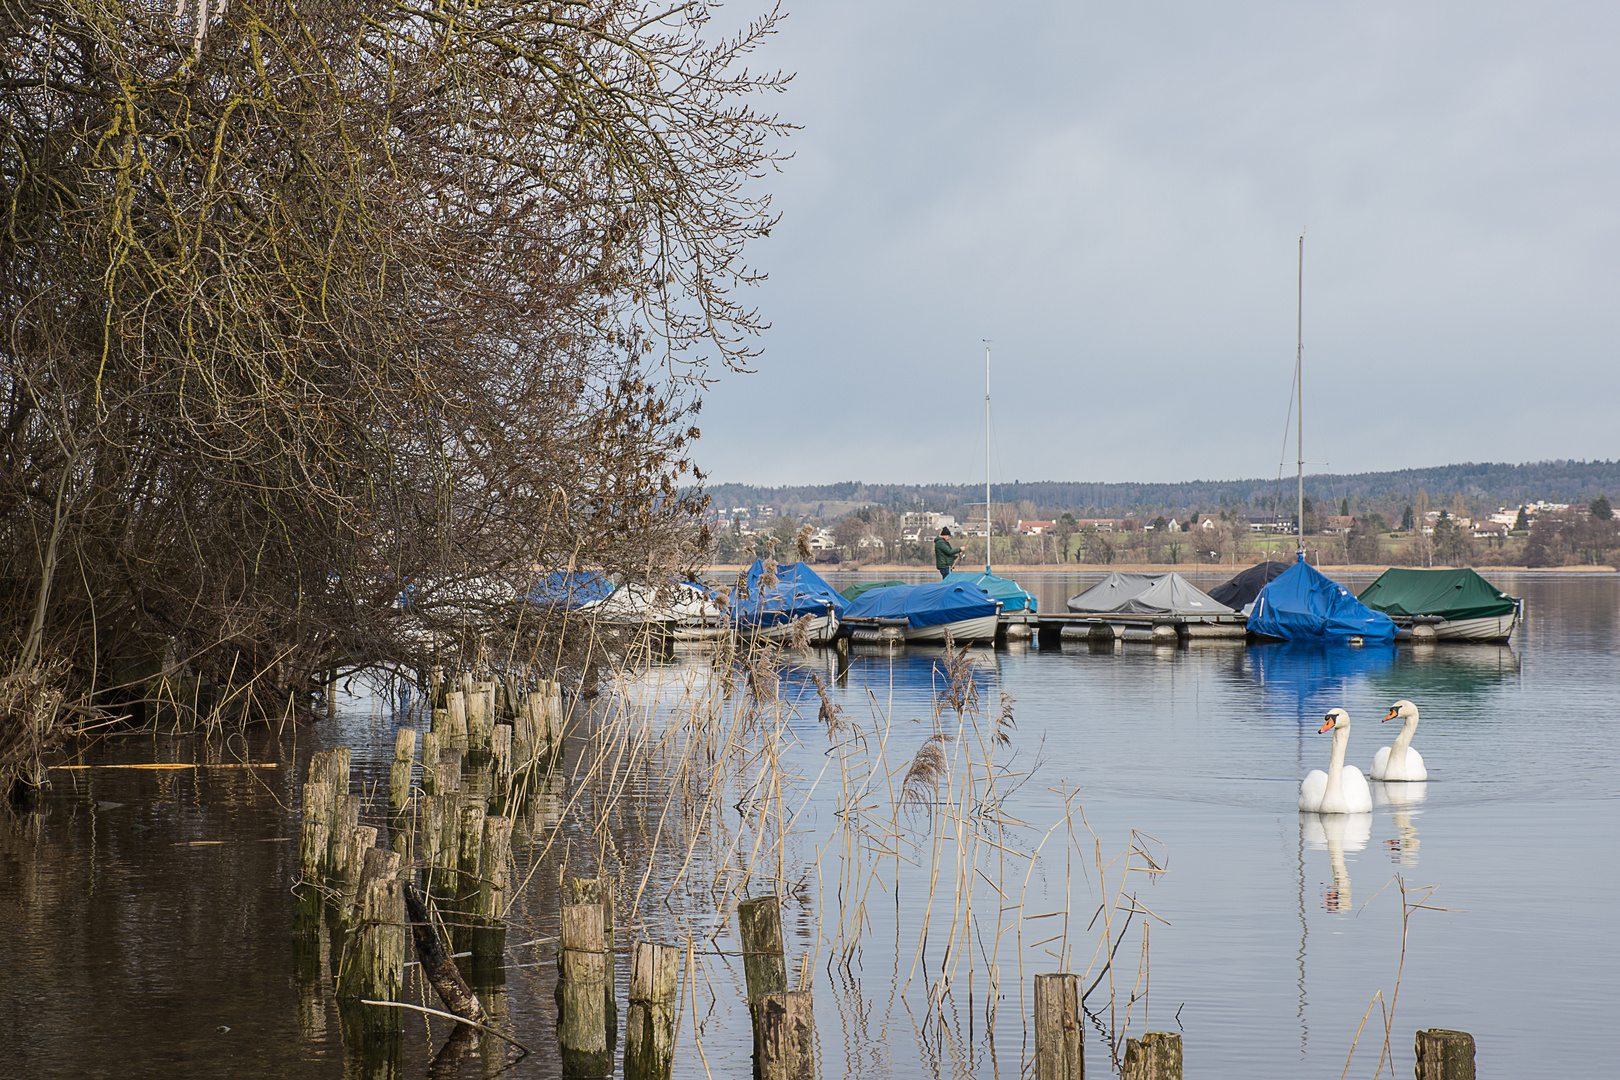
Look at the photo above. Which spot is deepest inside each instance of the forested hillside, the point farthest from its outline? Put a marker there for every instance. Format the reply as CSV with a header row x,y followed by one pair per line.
x,y
1483,486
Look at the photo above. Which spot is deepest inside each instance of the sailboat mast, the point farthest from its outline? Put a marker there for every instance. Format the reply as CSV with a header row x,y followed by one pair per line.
x,y
987,457
1299,383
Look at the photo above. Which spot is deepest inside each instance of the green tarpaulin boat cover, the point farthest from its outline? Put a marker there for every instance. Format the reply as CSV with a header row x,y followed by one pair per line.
x,y
1447,594
856,590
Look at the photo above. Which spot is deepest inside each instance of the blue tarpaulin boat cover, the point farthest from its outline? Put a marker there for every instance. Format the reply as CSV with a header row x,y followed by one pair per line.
x,y
1302,604
1013,596
569,589
799,591
932,604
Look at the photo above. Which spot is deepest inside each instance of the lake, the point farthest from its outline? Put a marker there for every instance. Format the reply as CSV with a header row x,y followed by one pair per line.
x,y
1146,793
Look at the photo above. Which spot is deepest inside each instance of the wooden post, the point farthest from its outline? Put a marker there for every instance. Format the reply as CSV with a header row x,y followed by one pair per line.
x,y
345,818
361,839
430,760
315,835
469,855
599,890
376,958
456,706
500,746
764,964
582,1029
649,1041
399,776
786,1036
430,843
1444,1055
480,714
1059,1037
489,937
1155,1056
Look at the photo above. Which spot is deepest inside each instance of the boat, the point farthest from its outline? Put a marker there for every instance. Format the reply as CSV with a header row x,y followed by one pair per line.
x,y
1158,593
1239,592
1457,604
928,612
1303,604
681,610
773,613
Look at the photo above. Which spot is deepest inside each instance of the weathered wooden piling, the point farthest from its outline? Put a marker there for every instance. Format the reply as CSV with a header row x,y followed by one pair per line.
x,y
469,855
374,962
764,962
489,931
1443,1054
1155,1056
316,830
362,839
456,712
786,1036
500,752
345,819
1059,1037
583,986
399,775
480,715
430,761
649,1041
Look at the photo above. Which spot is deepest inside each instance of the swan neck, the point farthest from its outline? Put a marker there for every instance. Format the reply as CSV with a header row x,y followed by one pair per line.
x,y
1404,739
1335,772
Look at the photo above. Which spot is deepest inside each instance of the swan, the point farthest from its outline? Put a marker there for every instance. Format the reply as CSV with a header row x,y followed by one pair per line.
x,y
1400,762
1342,789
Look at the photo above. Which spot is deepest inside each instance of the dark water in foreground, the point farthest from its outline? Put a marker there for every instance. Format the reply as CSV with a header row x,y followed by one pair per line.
x,y
147,912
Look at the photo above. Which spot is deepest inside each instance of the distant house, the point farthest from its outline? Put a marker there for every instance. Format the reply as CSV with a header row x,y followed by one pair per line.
x,y
1337,523
1035,528
915,526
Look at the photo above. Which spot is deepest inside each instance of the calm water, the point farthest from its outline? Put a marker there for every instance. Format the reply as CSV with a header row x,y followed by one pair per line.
x,y
148,910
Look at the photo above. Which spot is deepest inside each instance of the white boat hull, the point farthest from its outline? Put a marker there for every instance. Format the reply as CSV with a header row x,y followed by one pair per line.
x,y
1489,628
982,628
821,629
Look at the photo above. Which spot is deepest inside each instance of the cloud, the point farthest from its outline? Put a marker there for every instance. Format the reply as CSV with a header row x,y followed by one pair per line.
x,y
1113,195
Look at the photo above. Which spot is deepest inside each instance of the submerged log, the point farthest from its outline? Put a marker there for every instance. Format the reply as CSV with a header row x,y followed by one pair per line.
x,y
441,972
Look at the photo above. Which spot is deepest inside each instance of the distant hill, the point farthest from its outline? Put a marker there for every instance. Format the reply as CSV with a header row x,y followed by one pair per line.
x,y
1484,486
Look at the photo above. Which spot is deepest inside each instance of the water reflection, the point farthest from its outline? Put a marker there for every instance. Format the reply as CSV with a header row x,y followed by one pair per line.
x,y
1401,797
1337,833
1306,680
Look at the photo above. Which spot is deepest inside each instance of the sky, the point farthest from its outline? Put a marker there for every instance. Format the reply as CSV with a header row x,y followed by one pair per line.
x,y
1113,195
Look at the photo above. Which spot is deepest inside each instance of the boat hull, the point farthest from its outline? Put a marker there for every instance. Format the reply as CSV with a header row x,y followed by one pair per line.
x,y
1486,628
982,628
820,630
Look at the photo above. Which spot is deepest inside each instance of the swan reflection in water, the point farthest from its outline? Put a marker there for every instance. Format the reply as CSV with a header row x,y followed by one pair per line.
x,y
1338,833
1401,798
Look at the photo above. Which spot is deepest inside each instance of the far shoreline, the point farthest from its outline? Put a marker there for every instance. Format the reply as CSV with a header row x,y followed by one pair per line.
x,y
1183,568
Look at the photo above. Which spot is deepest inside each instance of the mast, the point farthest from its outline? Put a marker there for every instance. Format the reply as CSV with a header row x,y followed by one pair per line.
x,y
987,457
1299,383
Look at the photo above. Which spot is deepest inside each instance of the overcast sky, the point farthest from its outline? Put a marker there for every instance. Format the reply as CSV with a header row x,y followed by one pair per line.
x,y
1113,194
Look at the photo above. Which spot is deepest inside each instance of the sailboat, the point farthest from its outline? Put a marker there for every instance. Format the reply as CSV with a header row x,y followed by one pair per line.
x,y
1302,603
1018,605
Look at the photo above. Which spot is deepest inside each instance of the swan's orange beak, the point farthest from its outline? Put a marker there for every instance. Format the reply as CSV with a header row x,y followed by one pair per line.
x,y
1393,713
1326,726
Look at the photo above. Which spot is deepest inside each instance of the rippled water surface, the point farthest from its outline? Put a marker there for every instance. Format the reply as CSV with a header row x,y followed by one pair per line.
x,y
147,912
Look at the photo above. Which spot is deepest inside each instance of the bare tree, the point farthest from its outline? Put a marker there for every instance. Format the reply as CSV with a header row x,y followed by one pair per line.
x,y
329,322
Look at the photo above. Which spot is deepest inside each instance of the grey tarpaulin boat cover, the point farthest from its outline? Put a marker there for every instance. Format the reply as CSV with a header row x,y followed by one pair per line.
x,y
1166,593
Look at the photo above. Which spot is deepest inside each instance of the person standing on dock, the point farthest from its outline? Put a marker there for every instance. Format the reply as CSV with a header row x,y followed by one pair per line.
x,y
945,553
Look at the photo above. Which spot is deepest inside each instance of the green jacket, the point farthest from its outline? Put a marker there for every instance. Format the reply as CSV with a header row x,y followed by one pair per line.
x,y
945,553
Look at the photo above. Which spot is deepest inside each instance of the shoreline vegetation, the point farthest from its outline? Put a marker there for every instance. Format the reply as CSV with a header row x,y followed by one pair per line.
x,y
1145,567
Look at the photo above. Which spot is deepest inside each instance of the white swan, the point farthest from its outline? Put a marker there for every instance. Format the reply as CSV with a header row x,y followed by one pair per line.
x,y
1400,762
1342,789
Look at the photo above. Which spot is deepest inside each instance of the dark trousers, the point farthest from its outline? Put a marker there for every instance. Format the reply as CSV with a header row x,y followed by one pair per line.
x,y
944,572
